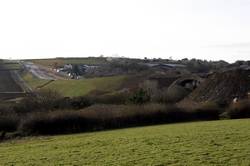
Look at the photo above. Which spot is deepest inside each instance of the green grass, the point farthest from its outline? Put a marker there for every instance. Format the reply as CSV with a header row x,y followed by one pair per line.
x,y
32,81
224,142
77,87
13,66
10,64
63,61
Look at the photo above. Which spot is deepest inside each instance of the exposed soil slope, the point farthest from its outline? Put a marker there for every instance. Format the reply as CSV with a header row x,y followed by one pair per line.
x,y
223,87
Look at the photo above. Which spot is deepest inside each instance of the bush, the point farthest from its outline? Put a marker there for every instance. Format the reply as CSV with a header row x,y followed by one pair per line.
x,y
152,89
101,117
41,100
175,93
55,123
207,111
239,110
79,103
114,98
9,123
139,97
50,101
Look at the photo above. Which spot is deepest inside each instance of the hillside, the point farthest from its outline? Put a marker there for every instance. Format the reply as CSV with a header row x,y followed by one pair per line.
x,y
223,87
199,143
76,87
63,61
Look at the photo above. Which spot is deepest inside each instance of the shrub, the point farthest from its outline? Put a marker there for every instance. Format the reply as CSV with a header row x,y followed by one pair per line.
x,y
207,111
49,101
152,89
114,98
41,100
6,109
139,97
79,103
175,93
9,123
239,110
99,117
55,123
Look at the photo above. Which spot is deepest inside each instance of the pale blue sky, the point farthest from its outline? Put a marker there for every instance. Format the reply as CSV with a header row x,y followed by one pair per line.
x,y
204,29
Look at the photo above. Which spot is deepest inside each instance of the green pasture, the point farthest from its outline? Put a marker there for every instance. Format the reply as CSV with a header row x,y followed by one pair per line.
x,y
225,142
81,87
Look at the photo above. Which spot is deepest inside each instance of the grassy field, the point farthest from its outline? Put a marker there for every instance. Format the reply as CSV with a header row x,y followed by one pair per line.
x,y
198,143
32,81
12,66
77,87
63,61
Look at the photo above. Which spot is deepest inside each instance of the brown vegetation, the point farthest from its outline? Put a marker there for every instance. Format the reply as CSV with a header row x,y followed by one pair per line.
x,y
223,87
102,117
240,109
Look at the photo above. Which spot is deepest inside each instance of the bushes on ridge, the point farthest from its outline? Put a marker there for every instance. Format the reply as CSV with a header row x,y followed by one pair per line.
x,y
101,117
139,97
9,123
239,110
48,100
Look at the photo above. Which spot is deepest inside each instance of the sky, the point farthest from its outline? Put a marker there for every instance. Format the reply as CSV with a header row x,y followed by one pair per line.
x,y
201,29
